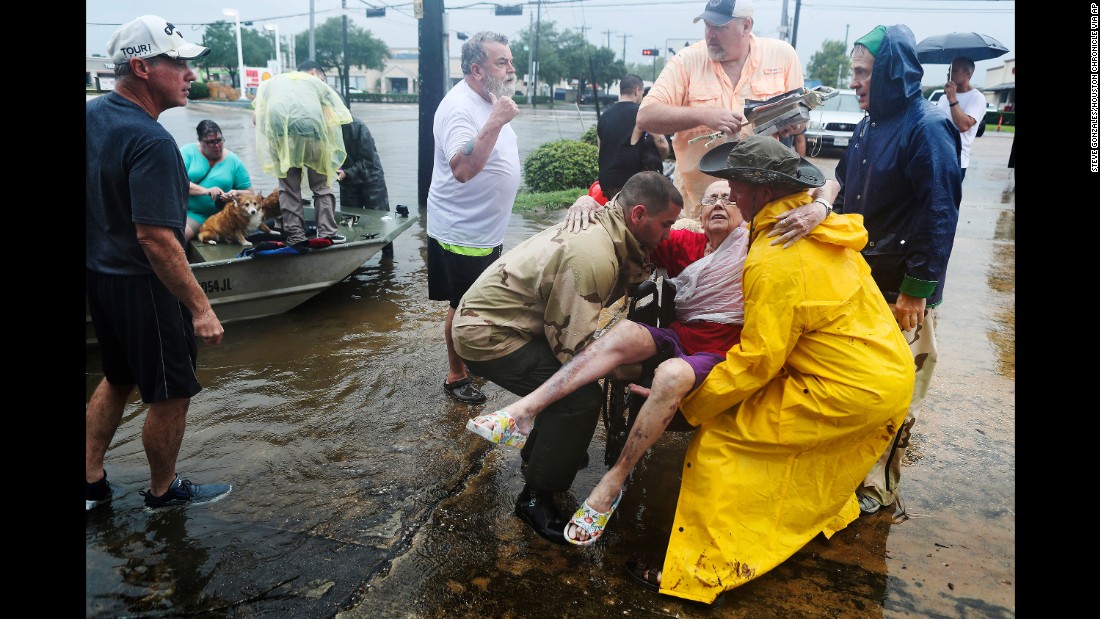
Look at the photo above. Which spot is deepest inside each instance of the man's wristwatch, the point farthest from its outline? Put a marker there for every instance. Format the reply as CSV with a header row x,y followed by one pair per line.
x,y
828,207
953,104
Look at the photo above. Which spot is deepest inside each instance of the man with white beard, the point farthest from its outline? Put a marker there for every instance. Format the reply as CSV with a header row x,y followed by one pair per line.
x,y
475,178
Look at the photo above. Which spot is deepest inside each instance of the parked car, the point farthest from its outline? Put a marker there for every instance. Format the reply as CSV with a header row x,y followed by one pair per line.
x,y
606,98
833,122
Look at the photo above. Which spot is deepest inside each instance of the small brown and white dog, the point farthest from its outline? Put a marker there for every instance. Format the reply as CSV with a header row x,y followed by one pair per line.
x,y
269,209
231,223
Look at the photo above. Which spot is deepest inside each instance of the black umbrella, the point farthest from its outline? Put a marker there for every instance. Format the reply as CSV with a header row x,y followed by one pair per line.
x,y
943,48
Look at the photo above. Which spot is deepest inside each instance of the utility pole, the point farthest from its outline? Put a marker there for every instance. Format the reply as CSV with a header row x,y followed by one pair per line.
x,y
530,57
432,74
840,67
784,31
538,21
292,62
312,47
608,33
347,69
794,28
625,36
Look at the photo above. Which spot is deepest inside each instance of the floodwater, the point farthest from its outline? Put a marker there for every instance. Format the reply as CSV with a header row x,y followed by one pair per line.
x,y
359,493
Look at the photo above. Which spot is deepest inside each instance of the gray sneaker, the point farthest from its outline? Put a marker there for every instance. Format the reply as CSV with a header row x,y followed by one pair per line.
x,y
97,494
867,505
183,492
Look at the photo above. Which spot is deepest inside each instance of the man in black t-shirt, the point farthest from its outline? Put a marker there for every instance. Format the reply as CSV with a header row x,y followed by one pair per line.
x,y
624,149
145,304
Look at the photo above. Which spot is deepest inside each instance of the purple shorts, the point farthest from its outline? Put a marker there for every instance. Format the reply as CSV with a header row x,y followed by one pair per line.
x,y
667,341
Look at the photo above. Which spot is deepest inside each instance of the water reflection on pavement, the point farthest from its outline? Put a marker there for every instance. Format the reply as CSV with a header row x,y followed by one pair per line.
x,y
358,492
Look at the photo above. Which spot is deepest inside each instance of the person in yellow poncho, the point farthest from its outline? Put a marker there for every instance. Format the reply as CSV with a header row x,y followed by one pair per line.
x,y
798,412
298,118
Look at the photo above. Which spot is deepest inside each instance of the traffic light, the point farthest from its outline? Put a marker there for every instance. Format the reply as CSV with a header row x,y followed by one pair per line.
x,y
651,51
376,12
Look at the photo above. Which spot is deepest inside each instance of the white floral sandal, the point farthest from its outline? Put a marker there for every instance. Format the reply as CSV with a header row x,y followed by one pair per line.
x,y
590,521
498,427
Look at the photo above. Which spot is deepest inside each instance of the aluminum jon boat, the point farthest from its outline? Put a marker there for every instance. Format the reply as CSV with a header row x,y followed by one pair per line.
x,y
244,288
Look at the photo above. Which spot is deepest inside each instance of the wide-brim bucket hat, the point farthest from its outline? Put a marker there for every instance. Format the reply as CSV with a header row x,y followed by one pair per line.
x,y
761,160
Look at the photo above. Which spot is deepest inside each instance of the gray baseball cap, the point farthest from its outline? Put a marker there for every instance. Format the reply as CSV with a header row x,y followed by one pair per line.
x,y
721,12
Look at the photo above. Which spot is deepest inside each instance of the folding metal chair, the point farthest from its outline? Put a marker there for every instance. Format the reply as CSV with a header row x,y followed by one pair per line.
x,y
651,302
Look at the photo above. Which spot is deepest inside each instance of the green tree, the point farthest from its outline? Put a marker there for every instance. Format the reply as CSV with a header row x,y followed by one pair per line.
x,y
830,65
551,67
565,56
647,69
257,47
364,50
221,37
599,66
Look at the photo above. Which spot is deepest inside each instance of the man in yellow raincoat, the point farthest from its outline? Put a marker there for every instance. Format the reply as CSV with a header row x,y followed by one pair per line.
x,y
794,417
298,135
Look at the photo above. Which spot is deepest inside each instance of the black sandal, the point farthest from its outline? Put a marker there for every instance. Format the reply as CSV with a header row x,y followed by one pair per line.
x,y
644,575
465,391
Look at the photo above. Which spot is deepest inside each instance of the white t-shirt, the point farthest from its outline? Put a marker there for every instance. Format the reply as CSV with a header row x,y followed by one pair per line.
x,y
972,103
474,213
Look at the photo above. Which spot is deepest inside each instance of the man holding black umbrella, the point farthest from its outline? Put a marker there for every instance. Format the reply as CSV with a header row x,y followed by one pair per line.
x,y
964,104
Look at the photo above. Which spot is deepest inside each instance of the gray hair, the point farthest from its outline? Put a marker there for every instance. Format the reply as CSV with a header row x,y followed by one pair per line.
x,y
124,70
473,50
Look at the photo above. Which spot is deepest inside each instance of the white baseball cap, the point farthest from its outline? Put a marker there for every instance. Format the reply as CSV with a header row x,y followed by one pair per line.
x,y
149,36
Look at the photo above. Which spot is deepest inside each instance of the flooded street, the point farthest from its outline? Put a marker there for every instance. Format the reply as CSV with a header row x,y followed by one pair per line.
x,y
358,492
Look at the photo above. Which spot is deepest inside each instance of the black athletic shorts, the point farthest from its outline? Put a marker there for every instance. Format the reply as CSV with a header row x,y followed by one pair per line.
x,y
450,275
146,337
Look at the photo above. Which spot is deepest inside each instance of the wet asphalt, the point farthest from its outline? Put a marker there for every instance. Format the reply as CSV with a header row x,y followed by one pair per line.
x,y
358,492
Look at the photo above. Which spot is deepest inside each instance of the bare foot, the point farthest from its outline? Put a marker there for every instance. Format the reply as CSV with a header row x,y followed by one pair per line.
x,y
645,573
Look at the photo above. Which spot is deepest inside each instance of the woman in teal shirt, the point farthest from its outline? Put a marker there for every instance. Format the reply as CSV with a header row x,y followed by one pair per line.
x,y
213,170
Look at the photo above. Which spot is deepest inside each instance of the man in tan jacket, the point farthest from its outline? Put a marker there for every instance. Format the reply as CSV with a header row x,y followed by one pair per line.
x,y
538,305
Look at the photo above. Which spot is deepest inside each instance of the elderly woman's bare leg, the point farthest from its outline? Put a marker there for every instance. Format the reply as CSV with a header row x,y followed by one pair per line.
x,y
627,342
673,380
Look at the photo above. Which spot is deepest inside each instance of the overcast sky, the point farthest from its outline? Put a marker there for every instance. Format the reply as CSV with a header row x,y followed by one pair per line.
x,y
620,24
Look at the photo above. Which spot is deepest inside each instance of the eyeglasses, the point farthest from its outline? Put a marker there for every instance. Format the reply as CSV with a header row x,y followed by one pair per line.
x,y
213,142
709,200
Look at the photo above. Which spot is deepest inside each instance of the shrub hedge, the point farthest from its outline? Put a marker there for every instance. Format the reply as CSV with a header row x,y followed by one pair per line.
x,y
560,165
199,90
991,118
589,137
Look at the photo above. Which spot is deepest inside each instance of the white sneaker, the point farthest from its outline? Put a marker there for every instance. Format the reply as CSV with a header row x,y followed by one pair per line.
x,y
867,505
